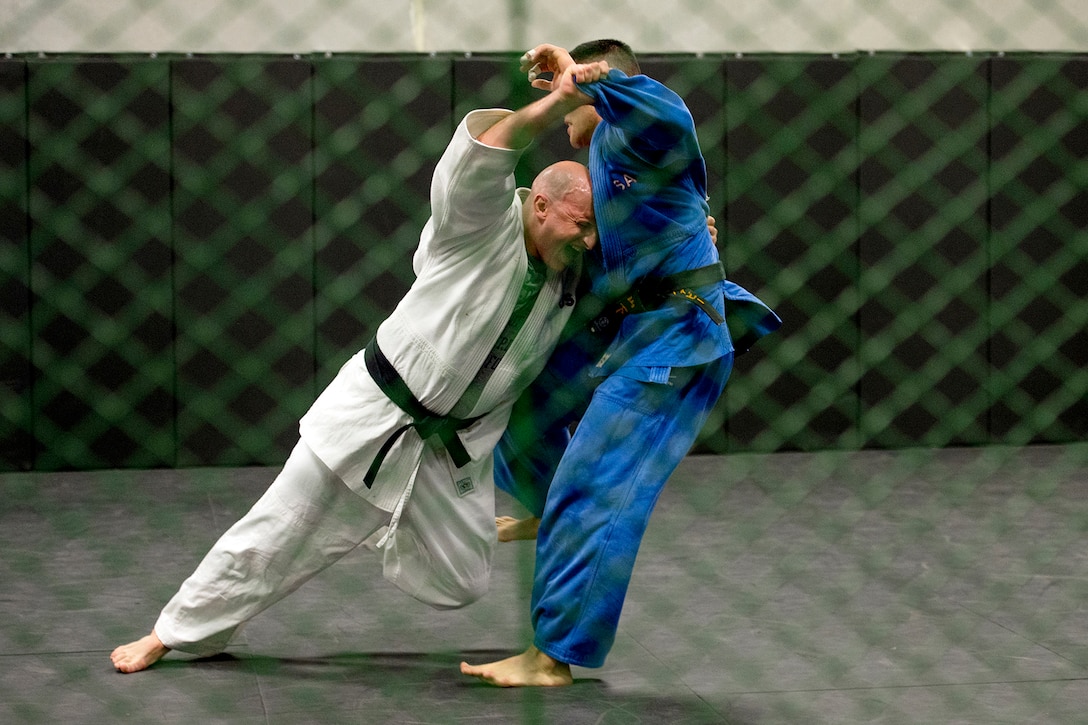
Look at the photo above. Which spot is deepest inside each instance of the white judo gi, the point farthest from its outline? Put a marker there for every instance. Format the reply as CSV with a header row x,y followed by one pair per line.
x,y
471,265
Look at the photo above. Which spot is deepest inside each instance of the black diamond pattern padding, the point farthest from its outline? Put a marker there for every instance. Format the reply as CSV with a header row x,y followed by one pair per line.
x,y
102,308
190,247
923,250
244,257
1039,249
791,239
16,420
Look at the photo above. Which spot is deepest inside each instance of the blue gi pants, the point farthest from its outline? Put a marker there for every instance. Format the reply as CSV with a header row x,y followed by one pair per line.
x,y
595,511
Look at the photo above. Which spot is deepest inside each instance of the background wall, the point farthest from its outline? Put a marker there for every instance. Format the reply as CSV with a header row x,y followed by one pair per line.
x,y
304,26
191,246
206,207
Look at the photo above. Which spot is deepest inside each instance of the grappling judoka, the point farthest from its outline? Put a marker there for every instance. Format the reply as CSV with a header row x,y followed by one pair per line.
x,y
398,448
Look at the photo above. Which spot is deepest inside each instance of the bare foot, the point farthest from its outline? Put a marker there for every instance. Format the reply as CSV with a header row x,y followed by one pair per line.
x,y
511,529
531,668
139,655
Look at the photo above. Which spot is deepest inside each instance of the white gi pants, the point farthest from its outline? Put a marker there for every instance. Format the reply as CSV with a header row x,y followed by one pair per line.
x,y
306,520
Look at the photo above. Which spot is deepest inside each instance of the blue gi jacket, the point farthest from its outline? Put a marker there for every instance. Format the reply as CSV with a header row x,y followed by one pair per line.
x,y
650,200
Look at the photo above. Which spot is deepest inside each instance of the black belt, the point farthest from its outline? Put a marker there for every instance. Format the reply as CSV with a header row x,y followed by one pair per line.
x,y
653,291
426,423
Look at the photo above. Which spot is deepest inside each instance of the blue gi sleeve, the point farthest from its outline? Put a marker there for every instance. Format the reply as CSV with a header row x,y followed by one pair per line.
x,y
654,118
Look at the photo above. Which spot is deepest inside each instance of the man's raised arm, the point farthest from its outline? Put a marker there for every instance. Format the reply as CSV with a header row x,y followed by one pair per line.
x,y
521,128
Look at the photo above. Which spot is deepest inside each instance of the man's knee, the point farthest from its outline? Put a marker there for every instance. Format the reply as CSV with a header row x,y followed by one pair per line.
x,y
467,591
443,580
452,592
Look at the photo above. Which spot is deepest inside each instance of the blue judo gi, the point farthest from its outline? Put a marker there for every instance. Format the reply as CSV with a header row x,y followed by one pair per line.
x,y
640,393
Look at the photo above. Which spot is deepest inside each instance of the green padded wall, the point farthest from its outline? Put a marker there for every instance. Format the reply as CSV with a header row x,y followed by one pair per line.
x,y
922,250
244,259
190,247
1038,382
791,201
100,272
16,406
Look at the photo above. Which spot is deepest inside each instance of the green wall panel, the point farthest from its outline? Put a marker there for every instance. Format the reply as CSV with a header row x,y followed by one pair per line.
x,y
923,243
16,420
1039,249
101,316
791,182
242,224
190,247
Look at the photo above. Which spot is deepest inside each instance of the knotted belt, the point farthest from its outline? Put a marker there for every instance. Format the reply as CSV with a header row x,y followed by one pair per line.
x,y
653,291
426,423
429,424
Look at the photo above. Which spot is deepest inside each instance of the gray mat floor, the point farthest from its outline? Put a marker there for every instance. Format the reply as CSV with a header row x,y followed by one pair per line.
x,y
868,587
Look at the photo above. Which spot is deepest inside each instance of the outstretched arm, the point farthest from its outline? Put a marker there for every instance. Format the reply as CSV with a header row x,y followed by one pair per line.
x,y
521,128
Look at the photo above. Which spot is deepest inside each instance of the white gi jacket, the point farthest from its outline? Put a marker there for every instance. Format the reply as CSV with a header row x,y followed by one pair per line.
x,y
470,265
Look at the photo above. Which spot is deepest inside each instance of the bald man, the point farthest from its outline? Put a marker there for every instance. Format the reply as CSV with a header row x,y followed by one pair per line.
x,y
398,449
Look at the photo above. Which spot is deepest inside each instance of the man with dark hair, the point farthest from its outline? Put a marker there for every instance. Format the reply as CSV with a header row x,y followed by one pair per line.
x,y
616,53
646,360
